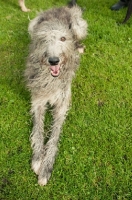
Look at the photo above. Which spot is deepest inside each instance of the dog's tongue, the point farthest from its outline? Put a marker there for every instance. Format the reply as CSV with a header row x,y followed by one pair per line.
x,y
55,69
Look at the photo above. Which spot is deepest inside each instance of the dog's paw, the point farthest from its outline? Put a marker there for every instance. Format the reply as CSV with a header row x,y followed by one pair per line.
x,y
36,166
44,174
36,162
42,181
26,10
44,178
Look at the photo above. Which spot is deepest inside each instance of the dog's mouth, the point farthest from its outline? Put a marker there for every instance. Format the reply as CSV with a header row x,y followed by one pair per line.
x,y
55,70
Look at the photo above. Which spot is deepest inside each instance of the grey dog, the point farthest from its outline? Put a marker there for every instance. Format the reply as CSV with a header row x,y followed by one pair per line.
x,y
53,59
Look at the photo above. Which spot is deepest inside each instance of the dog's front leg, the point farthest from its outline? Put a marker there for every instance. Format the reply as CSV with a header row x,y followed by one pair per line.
x,y
37,138
59,114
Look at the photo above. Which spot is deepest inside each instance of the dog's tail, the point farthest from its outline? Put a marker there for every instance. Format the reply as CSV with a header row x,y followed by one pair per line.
x,y
72,3
129,12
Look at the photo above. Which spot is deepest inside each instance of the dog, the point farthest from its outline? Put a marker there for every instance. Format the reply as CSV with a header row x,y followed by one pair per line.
x,y
51,65
22,5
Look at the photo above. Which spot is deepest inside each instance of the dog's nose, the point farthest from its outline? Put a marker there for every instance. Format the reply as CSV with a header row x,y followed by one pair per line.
x,y
53,60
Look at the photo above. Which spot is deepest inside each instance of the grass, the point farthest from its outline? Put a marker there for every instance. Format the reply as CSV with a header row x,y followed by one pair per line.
x,y
95,154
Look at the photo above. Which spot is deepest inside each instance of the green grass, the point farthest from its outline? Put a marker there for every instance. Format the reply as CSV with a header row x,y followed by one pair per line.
x,y
95,154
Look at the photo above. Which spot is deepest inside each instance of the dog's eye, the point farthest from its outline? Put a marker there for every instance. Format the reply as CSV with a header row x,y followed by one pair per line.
x,y
63,39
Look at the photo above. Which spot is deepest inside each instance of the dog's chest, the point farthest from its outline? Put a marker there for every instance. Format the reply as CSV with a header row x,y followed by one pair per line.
x,y
55,90
55,93
54,85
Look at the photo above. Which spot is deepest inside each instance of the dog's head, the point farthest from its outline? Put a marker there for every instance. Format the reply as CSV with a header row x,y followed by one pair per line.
x,y
57,47
57,32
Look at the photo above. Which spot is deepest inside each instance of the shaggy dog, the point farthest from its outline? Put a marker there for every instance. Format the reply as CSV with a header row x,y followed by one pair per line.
x,y
51,65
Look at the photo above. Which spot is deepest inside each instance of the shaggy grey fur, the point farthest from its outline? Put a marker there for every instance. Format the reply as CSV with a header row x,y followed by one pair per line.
x,y
51,65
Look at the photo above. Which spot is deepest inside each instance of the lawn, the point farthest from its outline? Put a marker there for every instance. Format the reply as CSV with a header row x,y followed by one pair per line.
x,y
95,149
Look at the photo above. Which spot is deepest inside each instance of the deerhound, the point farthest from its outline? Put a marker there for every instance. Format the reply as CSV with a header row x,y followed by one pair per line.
x,y
51,65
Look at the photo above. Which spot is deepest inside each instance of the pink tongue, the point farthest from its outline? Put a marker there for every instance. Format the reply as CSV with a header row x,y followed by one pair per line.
x,y
55,69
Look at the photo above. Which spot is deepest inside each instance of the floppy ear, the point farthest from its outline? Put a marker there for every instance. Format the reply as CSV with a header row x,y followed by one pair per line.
x,y
79,25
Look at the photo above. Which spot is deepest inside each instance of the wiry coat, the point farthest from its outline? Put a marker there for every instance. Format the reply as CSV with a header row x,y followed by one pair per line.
x,y
51,65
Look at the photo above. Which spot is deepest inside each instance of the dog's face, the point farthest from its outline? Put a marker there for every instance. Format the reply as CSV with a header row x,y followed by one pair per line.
x,y
56,33
58,45
55,47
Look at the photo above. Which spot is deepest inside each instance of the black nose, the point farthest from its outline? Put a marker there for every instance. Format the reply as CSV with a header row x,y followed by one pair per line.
x,y
53,60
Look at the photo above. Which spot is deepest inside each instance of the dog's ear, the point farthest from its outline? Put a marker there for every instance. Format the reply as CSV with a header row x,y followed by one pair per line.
x,y
32,25
78,24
